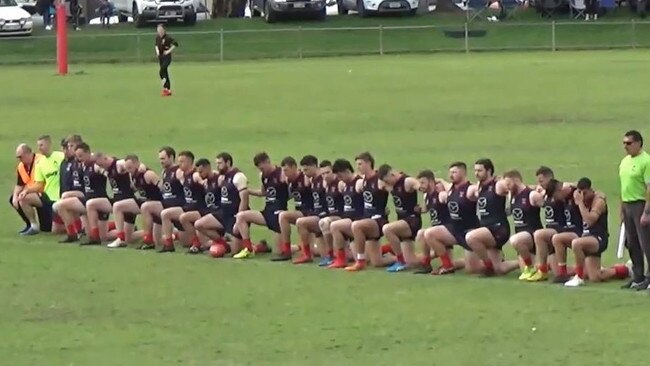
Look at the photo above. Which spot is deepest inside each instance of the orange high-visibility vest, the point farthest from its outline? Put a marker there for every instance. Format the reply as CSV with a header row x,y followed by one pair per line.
x,y
28,178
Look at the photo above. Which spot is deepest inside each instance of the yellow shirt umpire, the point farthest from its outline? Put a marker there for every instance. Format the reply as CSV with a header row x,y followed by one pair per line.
x,y
634,175
45,190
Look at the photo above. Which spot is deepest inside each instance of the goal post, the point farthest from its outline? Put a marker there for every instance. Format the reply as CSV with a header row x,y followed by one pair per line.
x,y
61,38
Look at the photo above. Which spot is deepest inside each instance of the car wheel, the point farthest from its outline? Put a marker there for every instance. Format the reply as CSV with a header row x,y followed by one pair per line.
x,y
254,12
190,20
137,18
412,12
361,9
122,18
269,15
341,7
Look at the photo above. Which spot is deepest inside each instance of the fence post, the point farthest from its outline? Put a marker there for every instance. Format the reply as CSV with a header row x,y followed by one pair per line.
x,y
381,40
300,42
553,41
466,38
633,33
221,45
138,51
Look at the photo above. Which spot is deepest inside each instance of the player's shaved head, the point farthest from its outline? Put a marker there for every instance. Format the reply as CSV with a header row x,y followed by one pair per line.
x,y
459,165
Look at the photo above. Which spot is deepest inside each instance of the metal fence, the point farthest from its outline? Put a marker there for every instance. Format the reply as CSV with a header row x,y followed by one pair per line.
x,y
302,42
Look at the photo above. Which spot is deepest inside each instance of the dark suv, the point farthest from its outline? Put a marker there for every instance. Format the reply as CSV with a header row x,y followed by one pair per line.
x,y
273,9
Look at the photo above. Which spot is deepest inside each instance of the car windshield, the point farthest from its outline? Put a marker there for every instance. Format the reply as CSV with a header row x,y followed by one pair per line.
x,y
8,3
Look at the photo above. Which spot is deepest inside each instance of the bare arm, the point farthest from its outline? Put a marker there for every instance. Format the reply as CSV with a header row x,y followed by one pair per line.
x,y
151,177
446,185
411,184
597,208
241,182
536,199
472,192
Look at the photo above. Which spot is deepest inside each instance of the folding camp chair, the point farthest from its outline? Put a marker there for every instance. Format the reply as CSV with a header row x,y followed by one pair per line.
x,y
578,8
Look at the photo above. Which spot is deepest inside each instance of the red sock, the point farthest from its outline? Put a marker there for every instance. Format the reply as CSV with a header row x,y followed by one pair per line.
x,y
562,270
340,255
621,271
544,268
148,238
94,233
386,248
111,225
246,243
527,261
446,261
169,242
488,265
121,236
78,225
285,248
306,249
220,241
580,271
426,261
330,253
71,229
400,258
196,242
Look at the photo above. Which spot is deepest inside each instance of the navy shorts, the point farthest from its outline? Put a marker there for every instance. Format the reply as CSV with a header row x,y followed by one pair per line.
x,y
415,224
459,236
500,232
272,219
172,203
227,221
602,245
576,230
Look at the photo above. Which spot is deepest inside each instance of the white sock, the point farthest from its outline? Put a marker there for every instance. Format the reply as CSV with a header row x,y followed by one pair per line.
x,y
361,256
35,226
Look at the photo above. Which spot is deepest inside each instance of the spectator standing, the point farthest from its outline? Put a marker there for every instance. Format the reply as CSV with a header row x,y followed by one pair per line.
x,y
105,12
640,7
634,174
45,7
75,13
591,9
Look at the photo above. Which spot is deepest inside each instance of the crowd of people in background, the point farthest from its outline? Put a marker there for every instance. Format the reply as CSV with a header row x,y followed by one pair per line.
x,y
340,211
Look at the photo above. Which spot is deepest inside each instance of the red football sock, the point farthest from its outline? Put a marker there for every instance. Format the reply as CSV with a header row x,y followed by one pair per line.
x,y
330,253
386,248
246,243
306,249
121,235
111,225
400,258
71,229
580,271
78,225
562,269
169,242
285,248
195,241
488,265
446,261
340,255
94,233
148,238
527,261
426,261
621,271
544,268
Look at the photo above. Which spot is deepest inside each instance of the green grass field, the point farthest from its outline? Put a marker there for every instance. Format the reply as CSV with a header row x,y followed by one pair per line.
x,y
65,305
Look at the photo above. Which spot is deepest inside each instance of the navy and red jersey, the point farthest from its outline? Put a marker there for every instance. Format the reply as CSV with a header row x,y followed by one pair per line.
x,y
572,213
120,182
212,192
70,176
491,206
405,202
525,216
230,199
462,210
554,217
94,183
598,228
172,188
374,199
301,193
334,199
438,211
353,204
276,191
148,191
193,192
318,195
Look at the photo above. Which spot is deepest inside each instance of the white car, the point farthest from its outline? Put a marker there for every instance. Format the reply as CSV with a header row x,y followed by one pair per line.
x,y
14,20
368,7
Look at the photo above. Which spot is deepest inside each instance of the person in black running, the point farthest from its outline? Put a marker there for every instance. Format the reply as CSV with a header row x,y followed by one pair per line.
x,y
165,45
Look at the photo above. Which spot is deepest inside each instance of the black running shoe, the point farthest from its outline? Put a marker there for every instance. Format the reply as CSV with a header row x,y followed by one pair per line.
x,y
167,250
423,270
90,242
561,279
283,257
147,247
69,239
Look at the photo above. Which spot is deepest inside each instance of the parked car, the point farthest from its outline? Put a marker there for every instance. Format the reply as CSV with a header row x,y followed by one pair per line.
x,y
272,10
29,5
368,7
14,20
148,11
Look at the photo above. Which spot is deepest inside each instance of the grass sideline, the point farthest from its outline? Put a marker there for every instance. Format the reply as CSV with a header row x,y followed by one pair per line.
x,y
66,305
257,40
